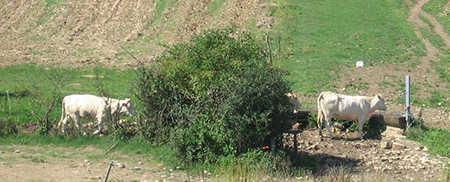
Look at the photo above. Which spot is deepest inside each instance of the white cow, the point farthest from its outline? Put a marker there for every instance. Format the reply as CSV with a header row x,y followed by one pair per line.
x,y
78,106
345,107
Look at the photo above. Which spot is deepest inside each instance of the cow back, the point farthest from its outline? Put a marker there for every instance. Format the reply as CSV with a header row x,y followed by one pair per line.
x,y
86,105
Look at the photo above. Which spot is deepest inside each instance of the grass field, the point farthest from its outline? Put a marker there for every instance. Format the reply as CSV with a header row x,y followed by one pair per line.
x,y
321,37
29,88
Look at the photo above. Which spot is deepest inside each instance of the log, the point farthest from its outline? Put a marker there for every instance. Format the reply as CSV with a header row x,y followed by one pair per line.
x,y
395,119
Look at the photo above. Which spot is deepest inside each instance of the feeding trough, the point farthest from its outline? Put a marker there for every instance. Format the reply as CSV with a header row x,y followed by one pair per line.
x,y
395,119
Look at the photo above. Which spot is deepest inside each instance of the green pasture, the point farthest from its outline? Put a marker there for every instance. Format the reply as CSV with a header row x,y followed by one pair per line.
x,y
27,89
435,139
319,39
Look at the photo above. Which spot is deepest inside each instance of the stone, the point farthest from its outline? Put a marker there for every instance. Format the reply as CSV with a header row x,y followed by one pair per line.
x,y
315,147
296,126
398,146
386,145
120,165
339,126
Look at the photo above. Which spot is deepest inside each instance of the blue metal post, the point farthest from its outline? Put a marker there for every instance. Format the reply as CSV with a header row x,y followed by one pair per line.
x,y
408,94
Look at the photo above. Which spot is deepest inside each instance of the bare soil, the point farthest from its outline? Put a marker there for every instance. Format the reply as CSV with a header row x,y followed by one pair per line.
x,y
93,33
26,163
97,33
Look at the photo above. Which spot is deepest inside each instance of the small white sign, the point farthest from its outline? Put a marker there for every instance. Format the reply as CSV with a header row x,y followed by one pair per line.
x,y
359,64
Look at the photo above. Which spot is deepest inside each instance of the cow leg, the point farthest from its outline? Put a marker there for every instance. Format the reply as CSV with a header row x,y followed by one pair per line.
x,y
319,124
77,122
63,124
100,126
320,120
328,119
361,121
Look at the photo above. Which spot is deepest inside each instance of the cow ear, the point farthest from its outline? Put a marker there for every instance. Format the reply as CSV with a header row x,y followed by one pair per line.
x,y
379,96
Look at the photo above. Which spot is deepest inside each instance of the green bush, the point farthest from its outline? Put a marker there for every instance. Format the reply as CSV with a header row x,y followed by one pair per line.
x,y
214,96
8,126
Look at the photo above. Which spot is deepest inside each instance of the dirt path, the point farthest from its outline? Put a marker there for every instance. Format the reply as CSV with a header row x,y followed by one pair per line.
x,y
416,12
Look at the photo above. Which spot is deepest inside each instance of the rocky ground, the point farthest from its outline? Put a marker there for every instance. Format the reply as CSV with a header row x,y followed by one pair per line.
x,y
397,158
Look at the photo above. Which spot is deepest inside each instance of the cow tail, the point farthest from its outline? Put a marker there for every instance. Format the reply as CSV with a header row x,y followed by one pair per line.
x,y
63,111
319,112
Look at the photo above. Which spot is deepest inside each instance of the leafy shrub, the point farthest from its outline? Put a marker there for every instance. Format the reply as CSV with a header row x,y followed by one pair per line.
x,y
214,96
8,126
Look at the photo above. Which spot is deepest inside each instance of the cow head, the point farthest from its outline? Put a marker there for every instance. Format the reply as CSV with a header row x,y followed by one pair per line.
x,y
126,107
379,103
294,101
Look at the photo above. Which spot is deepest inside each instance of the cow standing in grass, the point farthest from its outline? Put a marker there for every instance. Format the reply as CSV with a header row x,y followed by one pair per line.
x,y
345,107
88,106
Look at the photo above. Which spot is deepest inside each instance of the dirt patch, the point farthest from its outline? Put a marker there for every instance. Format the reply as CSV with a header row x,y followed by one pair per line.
x,y
95,33
28,128
26,163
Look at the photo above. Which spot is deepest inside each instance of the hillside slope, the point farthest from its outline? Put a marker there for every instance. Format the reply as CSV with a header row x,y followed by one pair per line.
x,y
427,83
79,33
97,33
394,39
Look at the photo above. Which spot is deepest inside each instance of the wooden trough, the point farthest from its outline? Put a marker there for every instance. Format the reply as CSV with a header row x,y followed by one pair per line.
x,y
395,119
